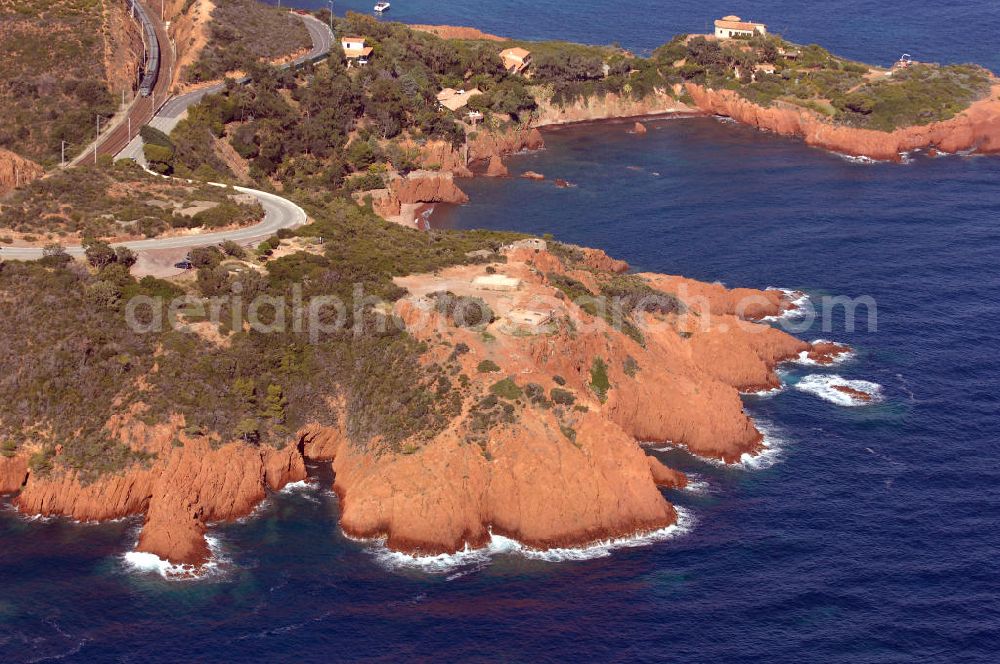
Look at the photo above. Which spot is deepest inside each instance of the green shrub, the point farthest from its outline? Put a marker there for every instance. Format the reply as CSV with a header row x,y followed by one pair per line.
x,y
568,431
506,389
202,257
488,366
599,381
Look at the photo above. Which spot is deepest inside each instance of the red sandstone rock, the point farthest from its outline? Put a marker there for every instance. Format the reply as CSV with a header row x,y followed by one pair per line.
x,y
665,476
827,352
428,187
496,168
639,129
598,260
608,106
562,184
552,477
537,487
488,144
745,303
456,32
180,493
853,393
13,472
532,175
978,127
321,443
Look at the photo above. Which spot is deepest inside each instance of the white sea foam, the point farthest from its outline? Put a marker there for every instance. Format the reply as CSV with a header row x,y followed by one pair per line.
x,y
798,300
764,394
258,509
307,489
773,443
857,159
805,360
301,485
449,563
697,486
823,386
142,562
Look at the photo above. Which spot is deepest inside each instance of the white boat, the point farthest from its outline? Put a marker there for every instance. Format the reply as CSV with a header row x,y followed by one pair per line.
x,y
382,6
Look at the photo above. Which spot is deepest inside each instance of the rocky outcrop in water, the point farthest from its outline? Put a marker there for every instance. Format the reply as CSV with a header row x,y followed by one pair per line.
x,y
496,168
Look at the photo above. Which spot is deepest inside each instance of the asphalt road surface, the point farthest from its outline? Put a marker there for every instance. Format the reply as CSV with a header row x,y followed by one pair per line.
x,y
278,213
172,112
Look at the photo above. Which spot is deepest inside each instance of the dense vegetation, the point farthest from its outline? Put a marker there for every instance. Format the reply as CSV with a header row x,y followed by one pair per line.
x,y
334,127
70,362
295,127
768,70
110,201
916,95
243,32
52,78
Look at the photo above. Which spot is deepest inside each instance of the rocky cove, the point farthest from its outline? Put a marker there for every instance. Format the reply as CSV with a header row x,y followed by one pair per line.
x,y
976,129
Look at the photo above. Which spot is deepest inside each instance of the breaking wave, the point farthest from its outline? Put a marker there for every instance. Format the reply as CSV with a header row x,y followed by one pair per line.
x,y
450,563
798,300
825,387
804,359
140,562
773,443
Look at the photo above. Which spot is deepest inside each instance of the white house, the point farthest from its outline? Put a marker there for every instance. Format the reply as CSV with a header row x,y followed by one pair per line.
x,y
355,49
733,26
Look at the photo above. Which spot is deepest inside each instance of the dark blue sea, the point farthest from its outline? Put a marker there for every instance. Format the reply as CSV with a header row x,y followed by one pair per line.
x,y
868,534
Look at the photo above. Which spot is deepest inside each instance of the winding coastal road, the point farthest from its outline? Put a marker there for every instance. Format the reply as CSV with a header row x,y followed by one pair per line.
x,y
173,111
278,212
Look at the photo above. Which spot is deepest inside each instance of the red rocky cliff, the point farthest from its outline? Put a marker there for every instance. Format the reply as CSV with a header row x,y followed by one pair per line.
x,y
550,472
977,128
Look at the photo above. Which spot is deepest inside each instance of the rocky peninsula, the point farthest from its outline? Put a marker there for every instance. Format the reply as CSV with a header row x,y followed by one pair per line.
x,y
527,420
549,402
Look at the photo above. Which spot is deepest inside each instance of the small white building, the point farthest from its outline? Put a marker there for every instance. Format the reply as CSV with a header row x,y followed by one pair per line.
x,y
733,26
355,49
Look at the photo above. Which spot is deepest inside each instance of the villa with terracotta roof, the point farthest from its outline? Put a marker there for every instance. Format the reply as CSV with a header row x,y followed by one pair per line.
x,y
733,26
515,60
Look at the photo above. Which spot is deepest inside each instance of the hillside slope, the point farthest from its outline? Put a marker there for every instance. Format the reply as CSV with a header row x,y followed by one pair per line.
x,y
62,63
